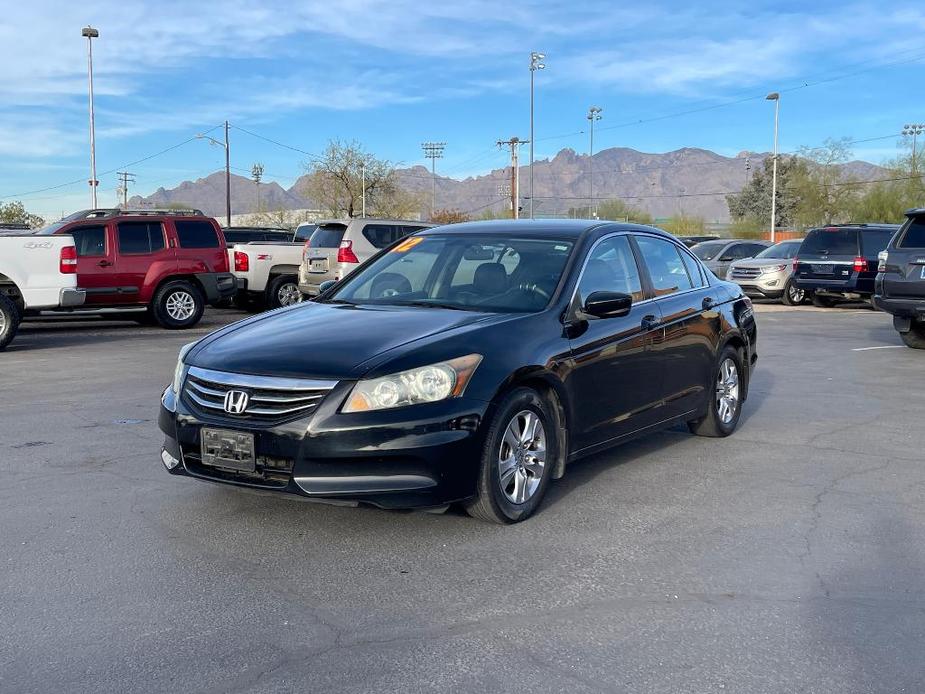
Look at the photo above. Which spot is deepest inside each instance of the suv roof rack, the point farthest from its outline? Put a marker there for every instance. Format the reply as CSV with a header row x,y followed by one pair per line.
x,y
117,212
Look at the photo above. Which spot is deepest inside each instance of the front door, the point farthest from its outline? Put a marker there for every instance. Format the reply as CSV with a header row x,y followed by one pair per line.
x,y
615,379
95,262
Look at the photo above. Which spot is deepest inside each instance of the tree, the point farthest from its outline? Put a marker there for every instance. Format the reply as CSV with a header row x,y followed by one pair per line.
x,y
754,200
336,183
823,187
449,217
618,210
15,213
681,225
886,201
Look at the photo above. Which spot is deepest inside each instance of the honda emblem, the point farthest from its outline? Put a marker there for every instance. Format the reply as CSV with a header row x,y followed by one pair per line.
x,y
236,402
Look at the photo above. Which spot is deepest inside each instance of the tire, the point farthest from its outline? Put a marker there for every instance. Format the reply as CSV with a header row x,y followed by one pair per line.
x,y
915,338
793,295
178,305
719,422
283,291
9,321
525,476
822,301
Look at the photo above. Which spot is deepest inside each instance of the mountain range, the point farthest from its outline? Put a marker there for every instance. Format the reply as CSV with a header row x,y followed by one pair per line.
x,y
687,181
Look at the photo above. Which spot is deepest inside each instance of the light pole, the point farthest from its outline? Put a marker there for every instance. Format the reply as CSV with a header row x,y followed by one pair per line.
x,y
257,175
227,147
363,186
433,151
913,129
536,63
594,113
90,33
775,97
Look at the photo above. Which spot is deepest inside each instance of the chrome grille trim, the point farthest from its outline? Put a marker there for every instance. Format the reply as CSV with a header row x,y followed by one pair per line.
x,y
745,273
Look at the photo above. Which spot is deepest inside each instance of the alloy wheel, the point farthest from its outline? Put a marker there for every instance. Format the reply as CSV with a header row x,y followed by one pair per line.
x,y
180,305
288,294
2,323
727,391
522,457
796,294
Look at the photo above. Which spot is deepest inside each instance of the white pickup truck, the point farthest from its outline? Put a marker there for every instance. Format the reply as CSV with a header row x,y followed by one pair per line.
x,y
267,272
36,272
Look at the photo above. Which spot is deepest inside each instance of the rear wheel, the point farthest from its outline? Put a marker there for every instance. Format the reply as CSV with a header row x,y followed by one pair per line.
x,y
178,305
9,321
793,295
915,338
725,392
517,459
283,291
822,301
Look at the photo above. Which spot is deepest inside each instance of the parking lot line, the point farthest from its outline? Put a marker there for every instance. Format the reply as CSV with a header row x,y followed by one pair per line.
x,y
867,349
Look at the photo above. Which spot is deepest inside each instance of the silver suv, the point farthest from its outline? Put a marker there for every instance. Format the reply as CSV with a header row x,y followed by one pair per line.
x,y
337,247
767,275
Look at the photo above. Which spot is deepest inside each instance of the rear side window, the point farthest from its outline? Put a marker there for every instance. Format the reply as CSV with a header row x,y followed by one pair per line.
x,y
666,269
140,237
327,236
875,240
913,237
381,235
693,270
90,241
830,242
196,234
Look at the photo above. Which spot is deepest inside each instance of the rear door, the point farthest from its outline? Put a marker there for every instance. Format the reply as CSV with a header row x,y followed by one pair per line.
x,y
905,272
95,262
827,255
141,248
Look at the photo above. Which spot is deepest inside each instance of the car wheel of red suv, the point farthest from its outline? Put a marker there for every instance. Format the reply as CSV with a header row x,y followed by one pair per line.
x,y
178,305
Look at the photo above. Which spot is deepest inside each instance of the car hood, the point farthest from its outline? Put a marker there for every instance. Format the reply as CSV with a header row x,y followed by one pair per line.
x,y
761,262
323,340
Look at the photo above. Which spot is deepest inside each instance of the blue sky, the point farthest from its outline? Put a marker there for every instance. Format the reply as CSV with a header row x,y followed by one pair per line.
x,y
392,74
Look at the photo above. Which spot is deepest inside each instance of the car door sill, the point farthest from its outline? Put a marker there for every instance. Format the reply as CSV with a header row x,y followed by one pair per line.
x,y
617,440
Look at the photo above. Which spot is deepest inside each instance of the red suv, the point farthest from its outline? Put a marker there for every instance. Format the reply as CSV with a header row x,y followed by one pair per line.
x,y
170,262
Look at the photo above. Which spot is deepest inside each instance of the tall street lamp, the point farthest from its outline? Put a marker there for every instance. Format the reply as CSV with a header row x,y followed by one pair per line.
x,y
594,113
775,97
227,146
536,63
90,33
913,129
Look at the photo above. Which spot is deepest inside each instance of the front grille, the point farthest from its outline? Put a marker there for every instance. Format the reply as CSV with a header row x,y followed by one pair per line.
x,y
745,273
269,399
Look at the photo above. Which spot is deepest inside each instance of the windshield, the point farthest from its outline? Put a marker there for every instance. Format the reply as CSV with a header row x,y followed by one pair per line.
x,y
708,249
785,249
51,228
472,272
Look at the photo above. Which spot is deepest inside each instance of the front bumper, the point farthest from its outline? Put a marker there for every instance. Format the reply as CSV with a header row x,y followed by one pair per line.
x,y
419,456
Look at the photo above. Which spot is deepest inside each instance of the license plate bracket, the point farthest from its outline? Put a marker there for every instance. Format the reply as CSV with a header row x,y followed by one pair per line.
x,y
318,264
823,269
233,450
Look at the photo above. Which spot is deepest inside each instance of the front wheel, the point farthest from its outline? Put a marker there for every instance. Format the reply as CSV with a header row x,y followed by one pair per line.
x,y
793,295
283,291
178,305
517,459
9,321
725,393
915,338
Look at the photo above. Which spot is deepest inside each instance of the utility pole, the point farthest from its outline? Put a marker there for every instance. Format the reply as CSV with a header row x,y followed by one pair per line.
x,y
514,143
594,113
536,63
748,170
90,33
775,97
913,129
257,174
124,179
363,185
433,151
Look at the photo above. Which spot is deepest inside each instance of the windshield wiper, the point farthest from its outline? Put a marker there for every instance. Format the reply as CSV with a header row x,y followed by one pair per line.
x,y
432,304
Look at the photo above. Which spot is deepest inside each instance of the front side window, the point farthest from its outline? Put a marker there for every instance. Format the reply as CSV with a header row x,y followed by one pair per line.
x,y
611,267
196,234
140,237
90,241
666,269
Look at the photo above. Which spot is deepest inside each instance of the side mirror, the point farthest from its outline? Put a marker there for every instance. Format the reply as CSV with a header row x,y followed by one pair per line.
x,y
608,304
326,285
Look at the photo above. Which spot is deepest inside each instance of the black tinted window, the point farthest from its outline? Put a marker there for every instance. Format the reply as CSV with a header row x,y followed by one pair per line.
x,y
830,242
611,267
708,250
140,237
232,237
90,241
875,240
304,231
914,236
196,234
693,270
381,235
327,236
666,269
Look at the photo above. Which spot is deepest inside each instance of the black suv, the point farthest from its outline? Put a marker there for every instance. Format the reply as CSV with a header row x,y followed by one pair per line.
x,y
839,262
900,280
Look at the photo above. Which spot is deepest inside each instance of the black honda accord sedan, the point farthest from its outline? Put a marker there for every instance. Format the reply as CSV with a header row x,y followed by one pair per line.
x,y
467,363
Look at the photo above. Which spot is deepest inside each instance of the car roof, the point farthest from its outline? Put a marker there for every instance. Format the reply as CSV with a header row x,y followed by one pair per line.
x,y
857,225
248,228
540,228
915,211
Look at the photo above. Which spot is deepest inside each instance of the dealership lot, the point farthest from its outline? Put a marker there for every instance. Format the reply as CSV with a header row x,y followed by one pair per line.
x,y
788,557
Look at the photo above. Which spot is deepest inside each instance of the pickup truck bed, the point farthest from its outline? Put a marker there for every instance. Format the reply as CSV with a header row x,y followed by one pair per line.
x,y
268,272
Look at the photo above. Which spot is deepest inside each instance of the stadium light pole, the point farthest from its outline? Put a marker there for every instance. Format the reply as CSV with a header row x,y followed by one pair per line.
x,y
536,63
594,113
913,129
775,97
90,33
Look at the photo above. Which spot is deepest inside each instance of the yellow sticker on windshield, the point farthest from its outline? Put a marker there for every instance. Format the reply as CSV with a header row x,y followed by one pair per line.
x,y
407,244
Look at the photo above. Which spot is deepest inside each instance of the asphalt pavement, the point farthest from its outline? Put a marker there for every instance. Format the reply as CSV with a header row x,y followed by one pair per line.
x,y
789,557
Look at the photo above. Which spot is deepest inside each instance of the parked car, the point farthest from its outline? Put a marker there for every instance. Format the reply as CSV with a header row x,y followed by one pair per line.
x,y
690,241
235,235
718,255
900,282
267,273
466,363
336,248
158,265
35,274
767,275
839,262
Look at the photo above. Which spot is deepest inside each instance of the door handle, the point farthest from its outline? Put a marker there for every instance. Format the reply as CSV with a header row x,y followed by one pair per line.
x,y
650,322
707,303
104,263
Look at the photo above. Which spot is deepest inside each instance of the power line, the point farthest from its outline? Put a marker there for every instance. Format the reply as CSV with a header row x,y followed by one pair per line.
x,y
276,142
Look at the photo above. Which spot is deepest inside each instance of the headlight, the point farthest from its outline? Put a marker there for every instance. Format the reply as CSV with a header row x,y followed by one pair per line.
x,y
767,269
180,371
447,379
